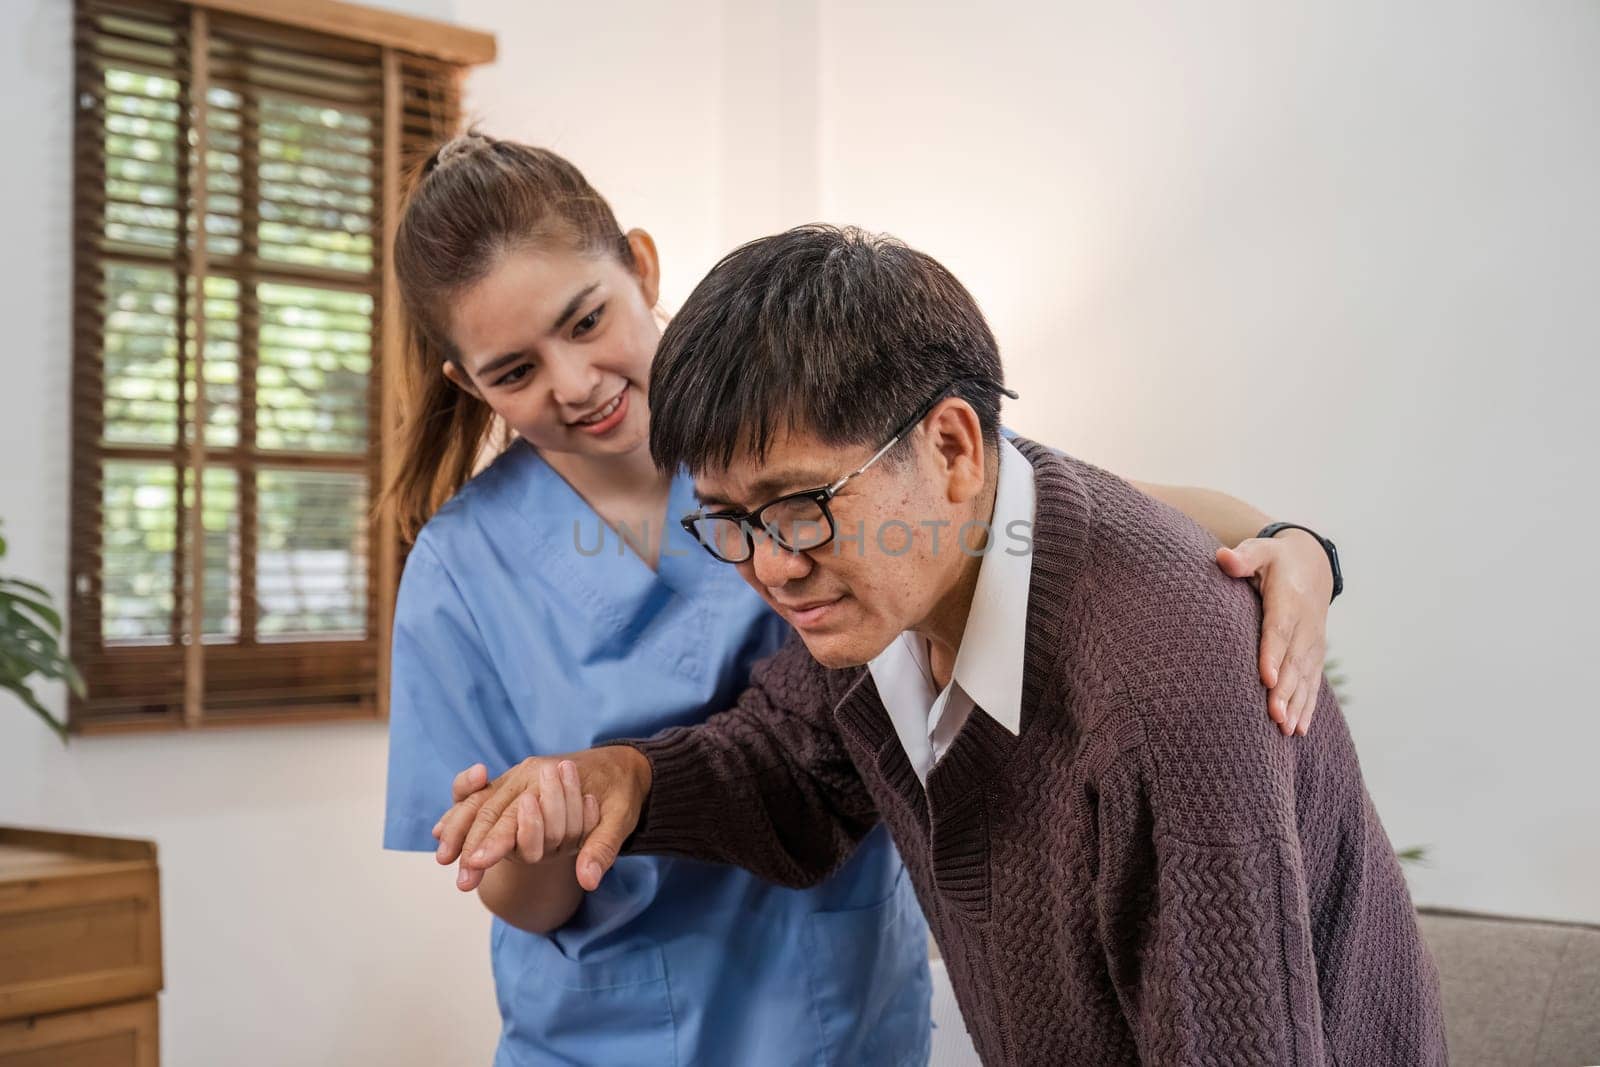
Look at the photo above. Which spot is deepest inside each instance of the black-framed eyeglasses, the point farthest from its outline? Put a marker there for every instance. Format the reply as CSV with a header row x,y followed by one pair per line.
x,y
799,521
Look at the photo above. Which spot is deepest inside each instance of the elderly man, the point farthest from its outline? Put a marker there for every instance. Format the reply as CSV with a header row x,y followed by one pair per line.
x,y
1032,673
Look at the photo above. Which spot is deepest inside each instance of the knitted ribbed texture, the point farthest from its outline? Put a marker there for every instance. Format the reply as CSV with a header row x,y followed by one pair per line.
x,y
1148,873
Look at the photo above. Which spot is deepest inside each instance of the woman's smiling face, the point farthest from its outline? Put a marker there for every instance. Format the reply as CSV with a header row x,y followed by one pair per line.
x,y
559,343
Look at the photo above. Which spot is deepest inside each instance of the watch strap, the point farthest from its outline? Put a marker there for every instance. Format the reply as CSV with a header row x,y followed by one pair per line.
x,y
1273,529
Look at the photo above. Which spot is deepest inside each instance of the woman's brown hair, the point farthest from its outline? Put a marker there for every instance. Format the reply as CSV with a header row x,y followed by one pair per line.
x,y
475,199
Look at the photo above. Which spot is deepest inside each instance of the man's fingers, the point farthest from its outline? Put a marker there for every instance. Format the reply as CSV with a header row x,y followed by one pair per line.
x,y
602,847
462,786
591,813
468,782
498,842
468,878
495,805
470,875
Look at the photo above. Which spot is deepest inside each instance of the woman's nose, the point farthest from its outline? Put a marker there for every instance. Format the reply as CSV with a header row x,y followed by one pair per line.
x,y
574,383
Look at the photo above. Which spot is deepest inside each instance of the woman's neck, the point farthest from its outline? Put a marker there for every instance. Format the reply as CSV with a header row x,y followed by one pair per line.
x,y
632,475
626,491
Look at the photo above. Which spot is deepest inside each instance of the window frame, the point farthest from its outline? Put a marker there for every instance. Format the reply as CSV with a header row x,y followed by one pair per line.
x,y
186,683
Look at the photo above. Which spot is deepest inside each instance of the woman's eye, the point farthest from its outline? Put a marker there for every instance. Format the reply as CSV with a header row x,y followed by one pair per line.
x,y
588,322
516,374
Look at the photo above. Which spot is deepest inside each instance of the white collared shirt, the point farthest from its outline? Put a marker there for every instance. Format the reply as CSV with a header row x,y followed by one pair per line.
x,y
988,670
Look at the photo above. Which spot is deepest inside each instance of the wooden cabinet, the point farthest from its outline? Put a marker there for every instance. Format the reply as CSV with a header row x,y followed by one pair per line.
x,y
80,950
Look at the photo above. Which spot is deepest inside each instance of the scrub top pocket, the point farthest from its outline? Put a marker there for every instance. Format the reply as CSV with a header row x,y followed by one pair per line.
x,y
865,1020
604,1012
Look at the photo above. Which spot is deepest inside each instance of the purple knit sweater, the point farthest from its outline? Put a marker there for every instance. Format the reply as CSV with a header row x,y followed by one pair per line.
x,y
1149,873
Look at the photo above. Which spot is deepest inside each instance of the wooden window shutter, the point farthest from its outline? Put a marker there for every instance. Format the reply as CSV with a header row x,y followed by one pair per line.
x,y
237,180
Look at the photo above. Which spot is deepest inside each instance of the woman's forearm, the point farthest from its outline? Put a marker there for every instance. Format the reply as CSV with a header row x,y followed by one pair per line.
x,y
537,897
1228,519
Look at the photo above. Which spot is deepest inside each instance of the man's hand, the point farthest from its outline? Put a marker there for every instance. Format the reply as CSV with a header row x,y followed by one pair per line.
x,y
1291,573
588,802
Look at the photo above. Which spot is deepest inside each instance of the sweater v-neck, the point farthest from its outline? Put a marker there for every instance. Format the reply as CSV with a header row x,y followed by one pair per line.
x,y
953,805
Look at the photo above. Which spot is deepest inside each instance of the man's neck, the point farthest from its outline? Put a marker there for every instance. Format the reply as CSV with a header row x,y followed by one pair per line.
x,y
944,628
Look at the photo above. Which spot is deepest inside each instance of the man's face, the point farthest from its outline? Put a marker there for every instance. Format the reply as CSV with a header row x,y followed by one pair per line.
x,y
895,556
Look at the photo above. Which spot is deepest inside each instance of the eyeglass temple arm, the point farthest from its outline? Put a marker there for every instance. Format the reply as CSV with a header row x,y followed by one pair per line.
x,y
836,486
897,438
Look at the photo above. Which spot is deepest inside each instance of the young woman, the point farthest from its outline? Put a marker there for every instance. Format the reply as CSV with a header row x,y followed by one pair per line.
x,y
552,603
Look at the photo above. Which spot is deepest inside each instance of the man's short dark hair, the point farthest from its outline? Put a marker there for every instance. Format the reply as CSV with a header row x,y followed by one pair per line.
x,y
830,330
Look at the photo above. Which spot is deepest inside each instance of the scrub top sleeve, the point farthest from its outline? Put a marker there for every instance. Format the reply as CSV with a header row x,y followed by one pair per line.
x,y
447,708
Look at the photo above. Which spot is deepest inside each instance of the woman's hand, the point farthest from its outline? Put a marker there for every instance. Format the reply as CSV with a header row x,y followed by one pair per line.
x,y
538,809
1291,573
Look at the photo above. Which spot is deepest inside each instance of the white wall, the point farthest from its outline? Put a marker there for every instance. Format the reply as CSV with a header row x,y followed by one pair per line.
x,y
696,120
1337,259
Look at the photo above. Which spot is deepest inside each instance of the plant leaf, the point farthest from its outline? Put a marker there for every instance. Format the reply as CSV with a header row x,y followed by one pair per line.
x,y
26,696
30,644
45,612
36,590
1417,854
75,680
24,654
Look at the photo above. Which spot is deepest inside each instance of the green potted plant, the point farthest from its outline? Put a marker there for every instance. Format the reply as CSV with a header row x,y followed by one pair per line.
x,y
30,644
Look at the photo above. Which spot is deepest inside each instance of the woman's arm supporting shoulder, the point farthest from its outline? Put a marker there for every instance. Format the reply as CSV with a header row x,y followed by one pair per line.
x,y
1227,518
1292,573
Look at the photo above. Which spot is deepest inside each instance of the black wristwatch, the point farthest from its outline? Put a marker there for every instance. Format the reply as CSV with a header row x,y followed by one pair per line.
x,y
1327,546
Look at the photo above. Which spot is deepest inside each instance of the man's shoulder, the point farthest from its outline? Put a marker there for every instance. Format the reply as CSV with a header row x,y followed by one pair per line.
x,y
1153,578
1134,539
1156,622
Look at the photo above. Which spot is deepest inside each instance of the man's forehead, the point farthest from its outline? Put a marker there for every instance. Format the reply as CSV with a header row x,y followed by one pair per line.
x,y
754,485
792,462
796,458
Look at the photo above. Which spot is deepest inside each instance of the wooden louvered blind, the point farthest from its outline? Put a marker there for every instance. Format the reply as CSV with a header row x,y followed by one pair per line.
x,y
236,184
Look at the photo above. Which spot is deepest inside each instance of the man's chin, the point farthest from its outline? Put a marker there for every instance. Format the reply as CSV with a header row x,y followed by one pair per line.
x,y
838,651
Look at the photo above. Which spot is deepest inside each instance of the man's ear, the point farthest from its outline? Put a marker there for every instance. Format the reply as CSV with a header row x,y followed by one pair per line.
x,y
957,438
458,378
646,265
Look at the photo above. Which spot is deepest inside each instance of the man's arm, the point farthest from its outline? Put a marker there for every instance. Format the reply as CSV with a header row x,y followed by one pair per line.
x,y
1206,930
766,785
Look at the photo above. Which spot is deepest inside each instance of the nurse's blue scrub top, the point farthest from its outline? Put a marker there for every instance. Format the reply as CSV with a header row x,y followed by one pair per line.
x,y
524,627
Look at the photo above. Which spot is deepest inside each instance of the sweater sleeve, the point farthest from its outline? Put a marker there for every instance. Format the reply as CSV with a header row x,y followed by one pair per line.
x,y
766,785
1206,932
